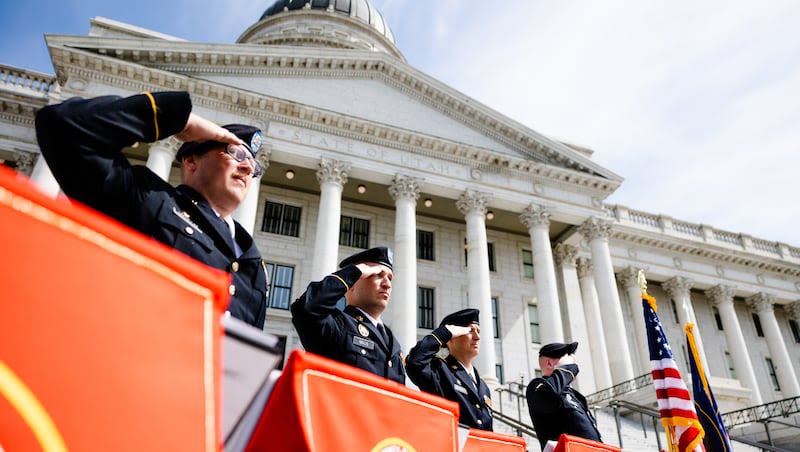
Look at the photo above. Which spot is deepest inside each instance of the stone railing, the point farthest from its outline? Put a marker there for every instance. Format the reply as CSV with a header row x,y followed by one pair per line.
x,y
677,228
30,82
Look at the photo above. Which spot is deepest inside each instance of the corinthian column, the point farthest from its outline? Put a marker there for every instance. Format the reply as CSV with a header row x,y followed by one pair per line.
x,y
405,192
472,205
594,325
722,298
331,175
596,232
678,289
245,214
537,220
565,256
161,155
762,304
629,279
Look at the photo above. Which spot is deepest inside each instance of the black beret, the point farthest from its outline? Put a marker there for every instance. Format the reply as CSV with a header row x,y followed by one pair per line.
x,y
380,255
464,317
557,349
252,137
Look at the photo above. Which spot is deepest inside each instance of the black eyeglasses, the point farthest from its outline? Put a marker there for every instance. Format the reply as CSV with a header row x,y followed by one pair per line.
x,y
241,153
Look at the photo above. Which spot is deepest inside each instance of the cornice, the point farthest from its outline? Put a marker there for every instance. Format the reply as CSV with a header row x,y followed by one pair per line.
x,y
134,77
249,59
711,252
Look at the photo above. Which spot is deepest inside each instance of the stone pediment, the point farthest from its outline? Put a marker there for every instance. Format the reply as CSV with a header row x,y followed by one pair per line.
x,y
323,85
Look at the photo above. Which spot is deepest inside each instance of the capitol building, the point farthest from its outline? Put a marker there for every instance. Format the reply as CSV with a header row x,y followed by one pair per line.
x,y
481,211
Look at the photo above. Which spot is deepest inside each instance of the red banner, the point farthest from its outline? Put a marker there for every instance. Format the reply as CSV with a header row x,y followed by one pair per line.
x,y
108,339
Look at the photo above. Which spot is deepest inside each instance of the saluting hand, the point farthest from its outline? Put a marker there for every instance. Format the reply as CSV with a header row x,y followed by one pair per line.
x,y
567,359
200,129
457,331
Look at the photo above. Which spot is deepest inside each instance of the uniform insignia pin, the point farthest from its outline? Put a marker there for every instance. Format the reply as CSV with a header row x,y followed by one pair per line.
x,y
363,330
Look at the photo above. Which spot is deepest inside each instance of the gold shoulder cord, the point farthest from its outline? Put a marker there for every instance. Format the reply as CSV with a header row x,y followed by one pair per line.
x,y
155,113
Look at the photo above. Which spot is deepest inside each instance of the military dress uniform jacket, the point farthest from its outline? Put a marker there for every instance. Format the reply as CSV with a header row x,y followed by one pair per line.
x,y
556,408
447,378
82,139
345,336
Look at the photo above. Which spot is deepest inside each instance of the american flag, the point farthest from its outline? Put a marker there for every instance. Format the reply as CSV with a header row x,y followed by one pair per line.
x,y
684,432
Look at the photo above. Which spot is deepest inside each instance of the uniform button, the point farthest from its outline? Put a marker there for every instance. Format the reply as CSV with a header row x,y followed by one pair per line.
x,y
480,422
232,289
390,364
189,230
363,352
235,266
477,406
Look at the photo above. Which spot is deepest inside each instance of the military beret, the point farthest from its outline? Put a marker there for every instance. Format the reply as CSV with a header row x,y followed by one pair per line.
x,y
557,349
380,255
464,317
251,136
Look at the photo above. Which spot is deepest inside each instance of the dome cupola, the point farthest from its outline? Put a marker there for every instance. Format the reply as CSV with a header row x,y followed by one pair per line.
x,y
348,24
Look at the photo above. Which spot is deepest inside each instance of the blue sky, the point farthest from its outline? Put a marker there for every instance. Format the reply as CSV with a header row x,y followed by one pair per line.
x,y
696,104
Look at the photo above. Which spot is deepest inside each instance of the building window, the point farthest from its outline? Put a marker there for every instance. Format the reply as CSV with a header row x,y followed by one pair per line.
x,y
498,372
772,375
425,245
281,219
354,232
425,302
757,324
281,346
280,285
674,310
495,318
533,321
717,318
729,362
527,263
795,330
489,248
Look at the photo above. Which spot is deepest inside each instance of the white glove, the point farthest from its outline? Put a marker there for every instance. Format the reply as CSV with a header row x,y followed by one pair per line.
x,y
457,331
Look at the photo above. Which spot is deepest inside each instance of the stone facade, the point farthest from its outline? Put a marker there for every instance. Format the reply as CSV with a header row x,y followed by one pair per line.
x,y
338,119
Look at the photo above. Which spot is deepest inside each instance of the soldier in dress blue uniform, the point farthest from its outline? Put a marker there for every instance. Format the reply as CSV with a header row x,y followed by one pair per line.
x,y
82,142
355,336
454,377
554,406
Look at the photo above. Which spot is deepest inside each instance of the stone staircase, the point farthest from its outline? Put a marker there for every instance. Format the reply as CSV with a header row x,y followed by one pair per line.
x,y
637,433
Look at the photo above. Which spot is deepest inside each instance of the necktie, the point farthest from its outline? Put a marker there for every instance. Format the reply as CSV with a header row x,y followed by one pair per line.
x,y
383,333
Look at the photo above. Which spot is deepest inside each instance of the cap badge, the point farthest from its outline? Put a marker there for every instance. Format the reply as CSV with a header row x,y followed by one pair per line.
x,y
256,141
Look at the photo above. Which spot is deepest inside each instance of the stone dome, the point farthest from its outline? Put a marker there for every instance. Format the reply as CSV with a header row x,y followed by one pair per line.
x,y
353,24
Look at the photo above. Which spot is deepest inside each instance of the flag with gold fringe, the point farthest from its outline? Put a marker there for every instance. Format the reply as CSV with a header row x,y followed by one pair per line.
x,y
684,431
716,436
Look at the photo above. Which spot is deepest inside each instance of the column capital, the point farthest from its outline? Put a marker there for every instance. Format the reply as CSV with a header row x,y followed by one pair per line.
x,y
720,295
793,310
629,277
25,162
405,187
677,287
170,144
332,171
565,254
585,267
595,228
761,302
264,155
535,215
472,201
